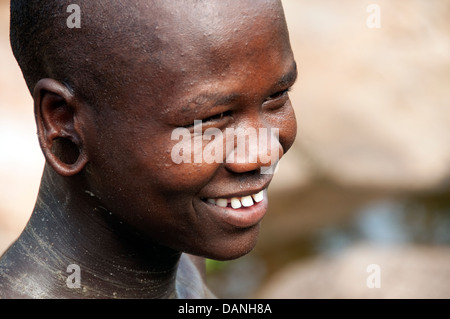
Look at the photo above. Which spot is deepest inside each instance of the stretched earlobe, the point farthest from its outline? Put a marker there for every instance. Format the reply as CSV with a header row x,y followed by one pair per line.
x,y
61,141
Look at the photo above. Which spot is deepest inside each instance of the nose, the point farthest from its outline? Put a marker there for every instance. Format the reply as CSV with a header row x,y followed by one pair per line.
x,y
250,149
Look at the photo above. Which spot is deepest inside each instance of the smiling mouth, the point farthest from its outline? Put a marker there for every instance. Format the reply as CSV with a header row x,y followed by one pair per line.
x,y
237,202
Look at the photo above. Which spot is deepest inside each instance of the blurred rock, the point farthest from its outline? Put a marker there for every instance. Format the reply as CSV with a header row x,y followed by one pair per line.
x,y
373,105
405,272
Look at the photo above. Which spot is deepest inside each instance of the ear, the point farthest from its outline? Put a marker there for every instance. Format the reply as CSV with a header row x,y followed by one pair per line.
x,y
55,110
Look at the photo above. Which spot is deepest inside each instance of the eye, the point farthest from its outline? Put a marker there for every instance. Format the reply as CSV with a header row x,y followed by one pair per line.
x,y
217,117
277,100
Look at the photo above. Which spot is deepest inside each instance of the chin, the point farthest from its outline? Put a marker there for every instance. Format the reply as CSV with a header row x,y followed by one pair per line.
x,y
231,247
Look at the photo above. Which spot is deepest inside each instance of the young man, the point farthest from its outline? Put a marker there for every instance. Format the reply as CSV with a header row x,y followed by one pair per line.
x,y
114,208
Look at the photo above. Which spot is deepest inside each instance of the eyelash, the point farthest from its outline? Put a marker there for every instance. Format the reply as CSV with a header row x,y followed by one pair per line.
x,y
220,116
279,94
216,117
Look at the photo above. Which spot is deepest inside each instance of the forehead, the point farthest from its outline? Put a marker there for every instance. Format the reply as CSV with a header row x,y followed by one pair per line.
x,y
193,27
209,16
206,38
193,44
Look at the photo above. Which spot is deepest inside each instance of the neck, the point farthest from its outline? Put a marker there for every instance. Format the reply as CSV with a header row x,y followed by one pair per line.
x,y
70,226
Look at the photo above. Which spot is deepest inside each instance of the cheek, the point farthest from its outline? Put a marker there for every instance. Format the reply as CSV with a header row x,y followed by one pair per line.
x,y
286,122
151,169
188,166
138,174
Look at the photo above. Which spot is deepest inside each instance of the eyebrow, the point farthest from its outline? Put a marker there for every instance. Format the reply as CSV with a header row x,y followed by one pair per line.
x,y
288,79
219,99
211,100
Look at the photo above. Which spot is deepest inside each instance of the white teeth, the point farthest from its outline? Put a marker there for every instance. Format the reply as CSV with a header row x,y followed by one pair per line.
x,y
235,203
247,201
222,202
258,197
238,202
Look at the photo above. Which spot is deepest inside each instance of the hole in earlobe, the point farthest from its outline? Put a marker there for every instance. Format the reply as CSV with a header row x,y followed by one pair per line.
x,y
66,158
65,150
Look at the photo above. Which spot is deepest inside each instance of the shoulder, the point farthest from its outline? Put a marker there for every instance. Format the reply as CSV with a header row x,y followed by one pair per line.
x,y
13,284
191,277
22,276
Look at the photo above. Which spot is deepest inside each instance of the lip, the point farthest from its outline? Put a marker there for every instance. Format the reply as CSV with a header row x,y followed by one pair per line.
x,y
243,217
230,192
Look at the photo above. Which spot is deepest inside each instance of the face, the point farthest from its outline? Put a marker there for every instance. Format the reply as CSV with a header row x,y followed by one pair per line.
x,y
228,66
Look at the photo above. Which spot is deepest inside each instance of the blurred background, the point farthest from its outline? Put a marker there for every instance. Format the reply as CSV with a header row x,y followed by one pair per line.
x,y
367,181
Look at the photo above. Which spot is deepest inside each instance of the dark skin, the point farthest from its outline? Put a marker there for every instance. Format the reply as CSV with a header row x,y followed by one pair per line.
x,y
112,200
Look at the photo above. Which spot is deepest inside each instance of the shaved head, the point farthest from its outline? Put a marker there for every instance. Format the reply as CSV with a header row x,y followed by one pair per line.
x,y
108,96
45,47
117,38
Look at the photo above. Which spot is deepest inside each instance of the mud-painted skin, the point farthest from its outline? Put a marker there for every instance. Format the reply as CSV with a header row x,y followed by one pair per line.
x,y
111,199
